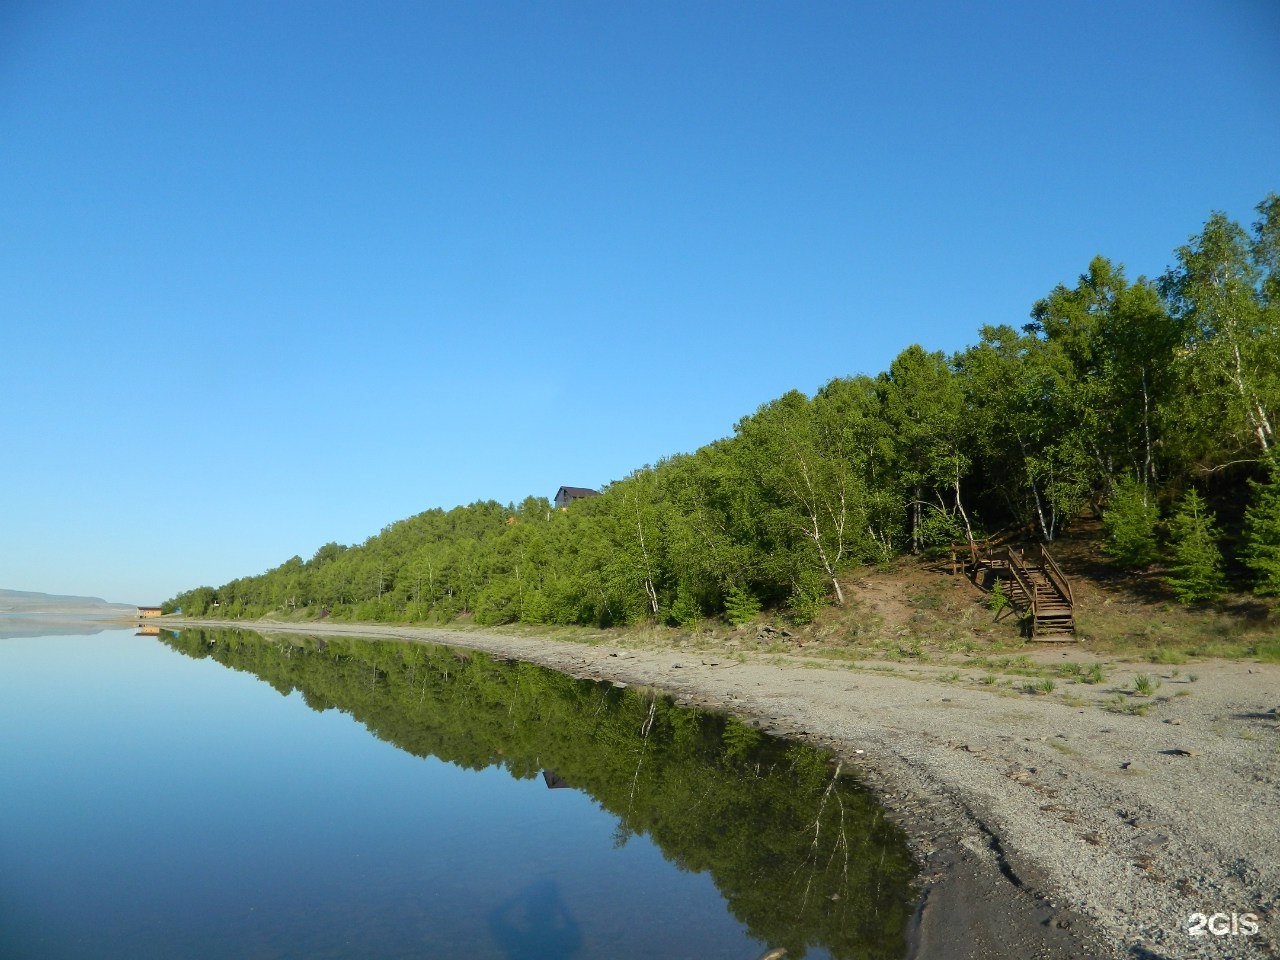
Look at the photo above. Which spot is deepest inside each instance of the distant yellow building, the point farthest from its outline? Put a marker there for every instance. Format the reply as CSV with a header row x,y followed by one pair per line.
x,y
144,612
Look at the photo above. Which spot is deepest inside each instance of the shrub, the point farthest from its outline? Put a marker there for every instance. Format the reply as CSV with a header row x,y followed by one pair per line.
x,y
1268,650
1130,524
1144,686
684,612
807,598
939,529
998,600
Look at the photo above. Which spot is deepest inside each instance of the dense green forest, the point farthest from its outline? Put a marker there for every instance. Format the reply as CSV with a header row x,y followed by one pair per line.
x,y
1149,403
801,853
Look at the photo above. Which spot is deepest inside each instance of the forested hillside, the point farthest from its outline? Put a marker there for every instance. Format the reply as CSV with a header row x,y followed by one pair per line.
x,y
1150,402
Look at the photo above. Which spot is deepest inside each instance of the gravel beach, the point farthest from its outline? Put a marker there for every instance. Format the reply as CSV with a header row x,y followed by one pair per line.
x,y
1054,824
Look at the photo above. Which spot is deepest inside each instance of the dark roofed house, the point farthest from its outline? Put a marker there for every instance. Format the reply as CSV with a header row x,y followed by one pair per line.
x,y
566,495
553,780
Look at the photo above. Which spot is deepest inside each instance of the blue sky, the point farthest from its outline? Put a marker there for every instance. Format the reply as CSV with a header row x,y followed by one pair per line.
x,y
274,274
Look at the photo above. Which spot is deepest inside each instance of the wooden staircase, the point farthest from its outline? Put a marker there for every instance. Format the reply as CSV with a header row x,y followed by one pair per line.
x,y
1036,587
1044,592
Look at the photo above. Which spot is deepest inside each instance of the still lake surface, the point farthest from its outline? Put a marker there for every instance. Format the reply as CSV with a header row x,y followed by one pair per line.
x,y
214,794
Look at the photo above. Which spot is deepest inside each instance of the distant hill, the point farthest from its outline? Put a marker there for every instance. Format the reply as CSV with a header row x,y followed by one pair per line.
x,y
24,602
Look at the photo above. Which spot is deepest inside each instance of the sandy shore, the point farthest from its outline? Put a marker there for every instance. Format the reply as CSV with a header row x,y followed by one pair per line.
x,y
1047,824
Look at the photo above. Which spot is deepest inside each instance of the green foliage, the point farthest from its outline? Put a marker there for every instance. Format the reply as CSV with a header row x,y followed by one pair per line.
x,y
923,406
1261,552
807,598
1195,575
194,603
740,606
939,528
1130,524
1222,296
999,600
1093,674
739,739
684,612
1145,686
1119,346
1024,443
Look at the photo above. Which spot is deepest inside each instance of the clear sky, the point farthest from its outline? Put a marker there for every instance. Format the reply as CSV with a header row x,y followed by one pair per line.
x,y
274,274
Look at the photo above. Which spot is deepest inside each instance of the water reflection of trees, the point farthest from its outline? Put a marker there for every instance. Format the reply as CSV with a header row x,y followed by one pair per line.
x,y
801,853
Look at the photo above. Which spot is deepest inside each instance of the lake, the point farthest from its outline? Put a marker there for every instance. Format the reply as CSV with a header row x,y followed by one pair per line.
x,y
220,794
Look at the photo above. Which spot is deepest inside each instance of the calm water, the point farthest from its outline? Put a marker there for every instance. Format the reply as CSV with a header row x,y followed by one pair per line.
x,y
217,794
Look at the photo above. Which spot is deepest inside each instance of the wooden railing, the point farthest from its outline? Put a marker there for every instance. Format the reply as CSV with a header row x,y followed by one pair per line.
x,y
985,549
1056,576
1001,538
1018,570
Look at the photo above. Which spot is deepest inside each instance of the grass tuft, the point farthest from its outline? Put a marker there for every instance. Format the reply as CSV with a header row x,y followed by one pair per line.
x,y
1145,686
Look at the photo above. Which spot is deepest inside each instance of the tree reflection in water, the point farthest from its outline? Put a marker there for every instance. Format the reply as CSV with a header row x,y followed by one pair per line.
x,y
801,853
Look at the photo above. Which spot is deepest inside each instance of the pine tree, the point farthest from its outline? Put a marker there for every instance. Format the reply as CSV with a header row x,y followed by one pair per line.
x,y
740,606
1261,552
1130,523
1195,576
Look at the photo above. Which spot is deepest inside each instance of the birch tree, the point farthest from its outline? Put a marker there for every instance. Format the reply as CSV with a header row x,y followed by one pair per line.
x,y
810,489
1221,292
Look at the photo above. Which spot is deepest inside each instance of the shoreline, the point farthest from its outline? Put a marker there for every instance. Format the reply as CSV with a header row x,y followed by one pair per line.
x,y
1044,827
